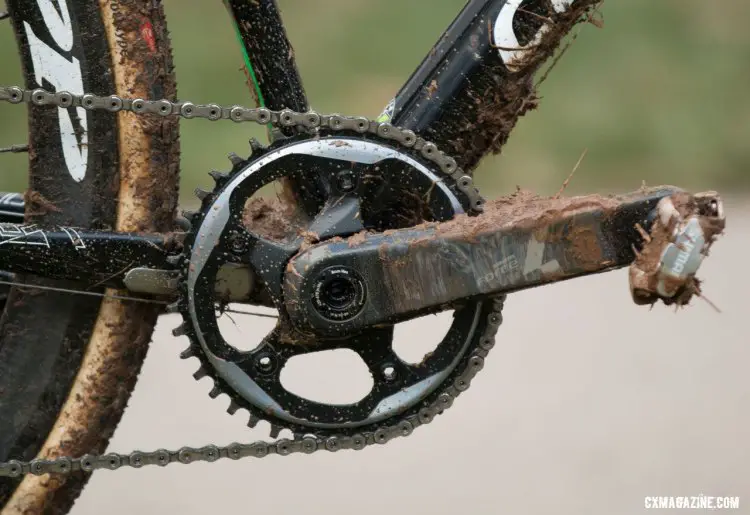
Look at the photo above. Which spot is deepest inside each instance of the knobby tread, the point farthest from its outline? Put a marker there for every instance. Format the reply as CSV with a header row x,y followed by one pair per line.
x,y
131,184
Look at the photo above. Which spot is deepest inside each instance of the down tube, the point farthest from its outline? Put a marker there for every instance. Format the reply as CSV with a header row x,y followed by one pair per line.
x,y
269,58
456,97
275,80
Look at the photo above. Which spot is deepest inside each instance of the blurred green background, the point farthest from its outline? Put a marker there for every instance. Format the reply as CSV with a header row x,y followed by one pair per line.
x,y
657,95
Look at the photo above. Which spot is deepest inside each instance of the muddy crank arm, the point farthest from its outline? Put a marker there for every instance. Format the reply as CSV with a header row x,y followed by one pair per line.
x,y
522,242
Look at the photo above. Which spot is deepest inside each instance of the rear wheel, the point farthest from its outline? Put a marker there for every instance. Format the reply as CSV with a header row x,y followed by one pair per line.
x,y
68,364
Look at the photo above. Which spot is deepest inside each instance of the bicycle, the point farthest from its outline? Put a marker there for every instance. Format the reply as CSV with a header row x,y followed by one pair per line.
x,y
379,226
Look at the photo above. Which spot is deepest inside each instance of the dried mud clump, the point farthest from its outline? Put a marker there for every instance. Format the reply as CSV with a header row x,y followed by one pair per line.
x,y
38,205
522,209
269,218
509,92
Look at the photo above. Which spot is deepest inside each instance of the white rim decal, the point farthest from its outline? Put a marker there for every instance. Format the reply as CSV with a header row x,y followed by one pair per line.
x,y
64,75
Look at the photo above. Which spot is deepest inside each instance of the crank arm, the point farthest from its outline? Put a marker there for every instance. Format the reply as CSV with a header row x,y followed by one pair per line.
x,y
372,279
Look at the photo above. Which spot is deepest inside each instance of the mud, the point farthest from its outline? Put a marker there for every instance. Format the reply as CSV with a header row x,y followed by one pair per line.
x,y
586,248
644,273
357,239
143,66
269,218
525,210
37,204
522,209
648,258
505,96
550,219
432,88
146,196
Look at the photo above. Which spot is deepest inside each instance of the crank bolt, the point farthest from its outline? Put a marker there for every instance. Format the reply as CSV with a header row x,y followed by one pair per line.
x,y
238,244
339,293
346,181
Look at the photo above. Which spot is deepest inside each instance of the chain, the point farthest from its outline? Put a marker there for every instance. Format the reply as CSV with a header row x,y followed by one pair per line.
x,y
283,447
284,118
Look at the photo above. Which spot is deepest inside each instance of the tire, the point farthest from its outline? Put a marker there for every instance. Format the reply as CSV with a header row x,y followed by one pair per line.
x,y
69,363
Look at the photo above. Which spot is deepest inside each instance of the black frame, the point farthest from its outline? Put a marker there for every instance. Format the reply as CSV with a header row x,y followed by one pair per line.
x,y
278,85
463,62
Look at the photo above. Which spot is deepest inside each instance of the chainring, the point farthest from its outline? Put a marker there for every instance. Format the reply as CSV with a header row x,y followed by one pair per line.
x,y
252,387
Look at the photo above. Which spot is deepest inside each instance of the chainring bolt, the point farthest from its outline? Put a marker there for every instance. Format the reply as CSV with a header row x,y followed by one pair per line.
x,y
346,181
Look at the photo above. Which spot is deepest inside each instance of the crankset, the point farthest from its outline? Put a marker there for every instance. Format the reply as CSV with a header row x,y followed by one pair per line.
x,y
386,233
388,242
370,187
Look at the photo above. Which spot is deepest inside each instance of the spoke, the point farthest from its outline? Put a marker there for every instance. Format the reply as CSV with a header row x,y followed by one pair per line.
x,y
251,313
82,292
15,149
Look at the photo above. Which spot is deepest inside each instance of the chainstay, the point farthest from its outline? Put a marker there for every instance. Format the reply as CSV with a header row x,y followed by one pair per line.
x,y
310,121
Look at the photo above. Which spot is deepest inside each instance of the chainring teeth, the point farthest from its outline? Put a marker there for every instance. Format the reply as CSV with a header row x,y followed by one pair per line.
x,y
221,179
378,433
220,386
255,415
458,186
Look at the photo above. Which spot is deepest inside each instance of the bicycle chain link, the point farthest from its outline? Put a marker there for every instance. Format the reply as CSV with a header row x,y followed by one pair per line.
x,y
283,447
284,118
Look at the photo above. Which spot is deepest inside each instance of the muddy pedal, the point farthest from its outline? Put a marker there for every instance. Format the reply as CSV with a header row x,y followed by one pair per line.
x,y
684,228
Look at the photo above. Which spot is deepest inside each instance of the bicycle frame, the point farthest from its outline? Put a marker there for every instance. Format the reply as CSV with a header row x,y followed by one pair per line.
x,y
463,64
461,74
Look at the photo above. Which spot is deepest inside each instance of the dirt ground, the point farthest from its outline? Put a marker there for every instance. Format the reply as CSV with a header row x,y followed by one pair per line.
x,y
587,404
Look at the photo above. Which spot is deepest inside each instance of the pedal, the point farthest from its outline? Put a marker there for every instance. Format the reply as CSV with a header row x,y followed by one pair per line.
x,y
683,231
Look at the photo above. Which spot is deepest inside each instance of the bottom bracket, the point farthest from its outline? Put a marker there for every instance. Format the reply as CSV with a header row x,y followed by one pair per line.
x,y
339,293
